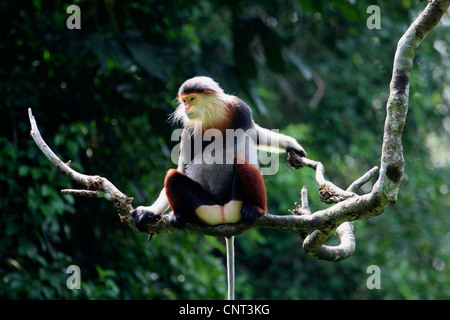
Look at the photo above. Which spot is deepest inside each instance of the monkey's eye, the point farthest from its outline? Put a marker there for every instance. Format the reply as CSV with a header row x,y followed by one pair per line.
x,y
192,99
184,101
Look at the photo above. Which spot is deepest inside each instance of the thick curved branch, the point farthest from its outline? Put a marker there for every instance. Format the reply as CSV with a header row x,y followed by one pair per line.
x,y
313,244
361,207
391,169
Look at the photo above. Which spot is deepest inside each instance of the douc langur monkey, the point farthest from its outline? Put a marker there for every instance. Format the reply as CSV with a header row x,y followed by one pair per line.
x,y
218,179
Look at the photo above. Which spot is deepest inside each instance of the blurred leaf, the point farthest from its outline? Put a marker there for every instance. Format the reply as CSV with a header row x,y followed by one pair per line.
x,y
155,60
272,49
310,5
110,53
243,33
348,10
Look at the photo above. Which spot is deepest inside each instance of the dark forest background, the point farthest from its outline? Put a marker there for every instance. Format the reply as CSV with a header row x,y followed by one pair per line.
x,y
102,94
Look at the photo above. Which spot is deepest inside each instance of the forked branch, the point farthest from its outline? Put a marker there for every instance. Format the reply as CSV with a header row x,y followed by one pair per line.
x,y
96,186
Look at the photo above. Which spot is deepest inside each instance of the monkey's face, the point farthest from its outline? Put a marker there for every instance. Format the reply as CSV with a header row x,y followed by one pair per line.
x,y
192,105
212,109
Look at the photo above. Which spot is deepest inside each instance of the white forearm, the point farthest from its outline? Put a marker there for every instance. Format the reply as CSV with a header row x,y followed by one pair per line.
x,y
277,142
159,206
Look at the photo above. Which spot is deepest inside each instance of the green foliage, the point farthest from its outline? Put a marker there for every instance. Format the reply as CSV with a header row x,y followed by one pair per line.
x,y
102,94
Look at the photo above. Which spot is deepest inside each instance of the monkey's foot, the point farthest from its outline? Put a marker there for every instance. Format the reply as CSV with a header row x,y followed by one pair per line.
x,y
250,212
143,217
178,219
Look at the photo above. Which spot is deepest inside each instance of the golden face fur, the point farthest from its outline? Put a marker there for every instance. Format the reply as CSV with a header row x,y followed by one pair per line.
x,y
212,109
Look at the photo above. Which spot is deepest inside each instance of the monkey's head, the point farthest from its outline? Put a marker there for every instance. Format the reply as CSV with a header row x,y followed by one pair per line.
x,y
201,99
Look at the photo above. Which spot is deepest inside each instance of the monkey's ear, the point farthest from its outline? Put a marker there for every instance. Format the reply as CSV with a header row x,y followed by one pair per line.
x,y
209,91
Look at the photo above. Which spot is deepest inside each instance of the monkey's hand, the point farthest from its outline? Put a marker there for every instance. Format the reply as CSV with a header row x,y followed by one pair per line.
x,y
142,216
293,157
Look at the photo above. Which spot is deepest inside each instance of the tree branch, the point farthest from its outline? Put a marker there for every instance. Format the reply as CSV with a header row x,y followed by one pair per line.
x,y
96,186
391,169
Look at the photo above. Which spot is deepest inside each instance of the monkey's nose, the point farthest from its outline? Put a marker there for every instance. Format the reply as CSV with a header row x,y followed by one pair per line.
x,y
187,107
